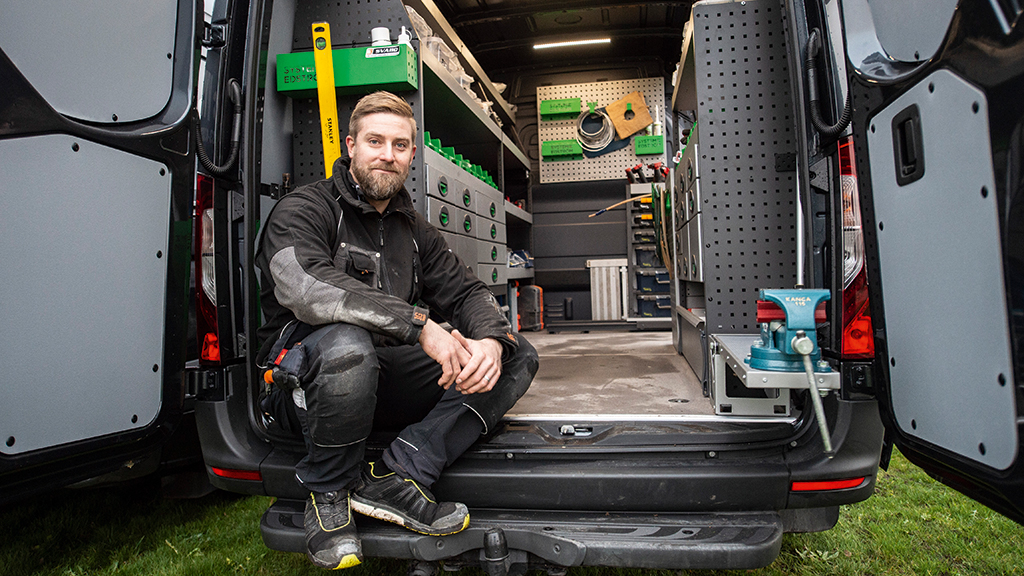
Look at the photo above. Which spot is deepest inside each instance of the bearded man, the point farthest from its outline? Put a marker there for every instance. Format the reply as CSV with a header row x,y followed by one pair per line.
x,y
350,274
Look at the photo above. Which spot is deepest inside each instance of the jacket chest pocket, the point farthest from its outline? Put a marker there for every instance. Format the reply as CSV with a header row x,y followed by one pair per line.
x,y
361,264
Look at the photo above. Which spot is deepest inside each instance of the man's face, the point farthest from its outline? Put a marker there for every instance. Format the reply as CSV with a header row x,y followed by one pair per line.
x,y
381,154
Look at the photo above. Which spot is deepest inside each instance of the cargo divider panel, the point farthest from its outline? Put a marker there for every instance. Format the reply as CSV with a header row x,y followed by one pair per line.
x,y
745,119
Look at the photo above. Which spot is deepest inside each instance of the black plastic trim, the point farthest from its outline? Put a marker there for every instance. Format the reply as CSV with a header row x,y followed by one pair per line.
x,y
651,541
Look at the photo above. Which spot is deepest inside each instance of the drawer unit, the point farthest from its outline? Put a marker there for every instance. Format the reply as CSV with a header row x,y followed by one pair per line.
x,y
696,248
652,281
689,165
683,252
491,231
440,182
693,200
647,256
491,206
492,274
465,196
443,215
643,237
461,247
654,305
466,222
490,252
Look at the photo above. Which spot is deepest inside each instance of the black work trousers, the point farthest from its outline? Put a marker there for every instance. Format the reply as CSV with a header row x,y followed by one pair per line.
x,y
353,386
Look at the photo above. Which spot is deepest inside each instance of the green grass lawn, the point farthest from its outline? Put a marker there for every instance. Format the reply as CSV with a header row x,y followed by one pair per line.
x,y
912,525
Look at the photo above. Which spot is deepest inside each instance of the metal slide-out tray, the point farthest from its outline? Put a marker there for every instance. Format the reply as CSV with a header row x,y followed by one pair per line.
x,y
735,348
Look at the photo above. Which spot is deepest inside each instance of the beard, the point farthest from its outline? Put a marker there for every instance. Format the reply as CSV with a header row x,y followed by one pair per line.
x,y
377,186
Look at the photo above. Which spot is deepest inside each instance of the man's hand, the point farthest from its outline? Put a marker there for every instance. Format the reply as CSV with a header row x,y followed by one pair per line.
x,y
446,350
481,373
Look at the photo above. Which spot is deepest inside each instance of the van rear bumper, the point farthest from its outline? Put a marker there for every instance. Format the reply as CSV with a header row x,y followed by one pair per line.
x,y
655,541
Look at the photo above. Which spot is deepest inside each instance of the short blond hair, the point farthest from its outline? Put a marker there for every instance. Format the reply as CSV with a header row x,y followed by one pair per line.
x,y
378,102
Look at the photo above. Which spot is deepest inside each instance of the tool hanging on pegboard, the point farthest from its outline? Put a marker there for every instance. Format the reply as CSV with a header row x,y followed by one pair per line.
x,y
323,63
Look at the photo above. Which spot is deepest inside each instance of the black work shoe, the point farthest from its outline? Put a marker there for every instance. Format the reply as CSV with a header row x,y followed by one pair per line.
x,y
331,539
388,496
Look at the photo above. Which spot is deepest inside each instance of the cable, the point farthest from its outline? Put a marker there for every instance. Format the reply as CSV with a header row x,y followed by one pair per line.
x,y
235,94
598,140
813,46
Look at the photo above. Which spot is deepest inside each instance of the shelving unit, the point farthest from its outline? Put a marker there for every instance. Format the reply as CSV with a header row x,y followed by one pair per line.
x,y
444,109
650,302
730,189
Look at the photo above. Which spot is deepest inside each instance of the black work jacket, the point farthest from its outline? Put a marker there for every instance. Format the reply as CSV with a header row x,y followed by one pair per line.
x,y
326,255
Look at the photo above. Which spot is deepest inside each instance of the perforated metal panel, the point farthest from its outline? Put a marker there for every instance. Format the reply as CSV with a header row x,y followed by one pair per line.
x,y
609,166
350,22
745,120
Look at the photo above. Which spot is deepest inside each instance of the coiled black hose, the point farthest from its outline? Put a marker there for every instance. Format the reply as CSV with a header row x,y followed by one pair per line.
x,y
235,94
833,131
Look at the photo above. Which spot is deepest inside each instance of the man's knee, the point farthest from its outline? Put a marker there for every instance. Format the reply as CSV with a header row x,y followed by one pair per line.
x,y
340,389
522,367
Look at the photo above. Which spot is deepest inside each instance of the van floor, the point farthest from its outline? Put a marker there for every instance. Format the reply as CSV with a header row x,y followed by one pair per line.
x,y
612,374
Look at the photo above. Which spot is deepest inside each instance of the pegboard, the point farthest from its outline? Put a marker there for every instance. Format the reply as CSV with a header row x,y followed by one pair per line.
x,y
350,25
745,119
609,166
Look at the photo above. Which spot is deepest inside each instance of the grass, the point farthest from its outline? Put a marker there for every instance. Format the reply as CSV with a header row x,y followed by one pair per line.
x,y
912,526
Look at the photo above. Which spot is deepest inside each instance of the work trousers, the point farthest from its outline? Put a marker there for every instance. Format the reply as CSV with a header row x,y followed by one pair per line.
x,y
353,386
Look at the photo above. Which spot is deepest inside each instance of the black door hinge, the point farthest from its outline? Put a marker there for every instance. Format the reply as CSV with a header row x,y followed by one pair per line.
x,y
213,35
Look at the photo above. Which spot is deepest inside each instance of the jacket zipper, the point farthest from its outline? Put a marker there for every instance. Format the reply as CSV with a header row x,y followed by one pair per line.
x,y
383,277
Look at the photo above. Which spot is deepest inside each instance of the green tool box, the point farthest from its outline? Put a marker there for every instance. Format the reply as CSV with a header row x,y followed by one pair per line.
x,y
561,150
356,71
646,145
564,109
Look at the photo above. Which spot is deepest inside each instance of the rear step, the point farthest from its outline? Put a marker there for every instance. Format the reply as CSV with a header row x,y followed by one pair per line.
x,y
664,541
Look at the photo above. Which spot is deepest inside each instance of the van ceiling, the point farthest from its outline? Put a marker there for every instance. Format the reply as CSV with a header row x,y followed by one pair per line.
x,y
501,33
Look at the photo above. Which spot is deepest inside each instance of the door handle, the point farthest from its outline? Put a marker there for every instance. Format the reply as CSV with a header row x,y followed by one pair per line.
x,y
908,145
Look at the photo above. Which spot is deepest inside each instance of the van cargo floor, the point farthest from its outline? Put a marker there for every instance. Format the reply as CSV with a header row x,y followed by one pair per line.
x,y
611,374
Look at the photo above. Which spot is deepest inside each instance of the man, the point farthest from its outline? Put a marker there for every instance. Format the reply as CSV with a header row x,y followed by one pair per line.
x,y
346,263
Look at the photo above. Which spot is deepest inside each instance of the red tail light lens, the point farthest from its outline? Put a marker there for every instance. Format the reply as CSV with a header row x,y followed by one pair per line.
x,y
206,287
237,474
824,485
858,338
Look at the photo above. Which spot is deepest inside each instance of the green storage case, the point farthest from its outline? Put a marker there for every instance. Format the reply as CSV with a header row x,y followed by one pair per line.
x,y
647,145
564,109
561,150
356,71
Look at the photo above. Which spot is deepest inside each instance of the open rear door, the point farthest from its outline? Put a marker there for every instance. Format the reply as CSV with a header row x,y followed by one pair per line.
x,y
95,206
938,121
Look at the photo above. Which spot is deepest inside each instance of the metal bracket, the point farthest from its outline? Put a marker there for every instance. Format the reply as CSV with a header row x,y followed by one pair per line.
x,y
735,349
214,35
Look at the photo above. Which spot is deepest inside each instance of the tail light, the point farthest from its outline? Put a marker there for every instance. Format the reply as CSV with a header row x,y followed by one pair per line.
x,y
206,286
858,339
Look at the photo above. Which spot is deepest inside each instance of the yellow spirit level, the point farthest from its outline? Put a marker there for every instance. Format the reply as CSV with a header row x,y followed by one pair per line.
x,y
323,64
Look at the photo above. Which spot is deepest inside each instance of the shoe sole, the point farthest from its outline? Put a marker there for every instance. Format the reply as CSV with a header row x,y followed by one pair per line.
x,y
388,515
347,561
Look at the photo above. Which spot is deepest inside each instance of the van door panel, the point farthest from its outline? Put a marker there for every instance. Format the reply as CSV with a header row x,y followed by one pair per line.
x,y
938,248
95,229
83,245
938,160
105,62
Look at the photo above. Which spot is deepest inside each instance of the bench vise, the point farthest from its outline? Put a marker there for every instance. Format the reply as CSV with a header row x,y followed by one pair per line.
x,y
789,321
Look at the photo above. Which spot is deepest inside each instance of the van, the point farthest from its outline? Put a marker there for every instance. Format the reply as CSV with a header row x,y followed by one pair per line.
x,y
816,254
